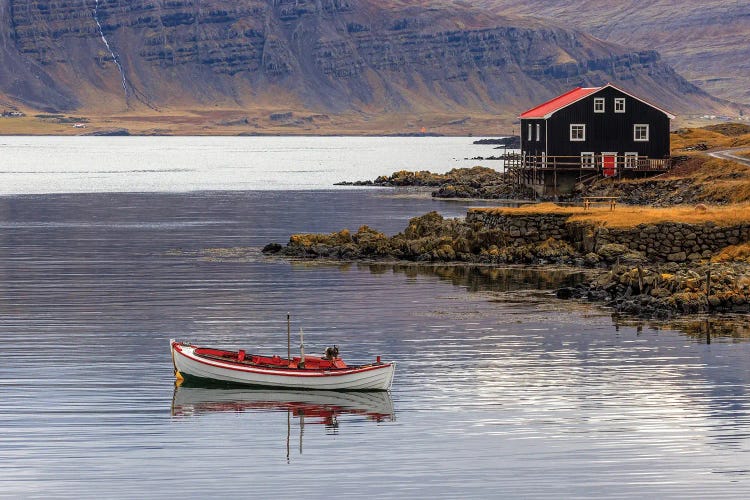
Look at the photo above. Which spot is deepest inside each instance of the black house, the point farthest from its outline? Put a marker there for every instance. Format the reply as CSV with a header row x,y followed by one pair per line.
x,y
589,133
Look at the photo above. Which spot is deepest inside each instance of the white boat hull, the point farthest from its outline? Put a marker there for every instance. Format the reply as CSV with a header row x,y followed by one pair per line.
x,y
376,377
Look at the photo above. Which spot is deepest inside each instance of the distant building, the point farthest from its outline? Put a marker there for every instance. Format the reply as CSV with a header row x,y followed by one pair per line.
x,y
589,133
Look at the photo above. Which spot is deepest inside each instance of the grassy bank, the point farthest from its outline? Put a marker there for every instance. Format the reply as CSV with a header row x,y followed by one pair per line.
x,y
696,177
630,216
721,136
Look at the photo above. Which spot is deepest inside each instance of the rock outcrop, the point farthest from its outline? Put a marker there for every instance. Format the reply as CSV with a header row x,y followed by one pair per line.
x,y
650,270
669,290
475,182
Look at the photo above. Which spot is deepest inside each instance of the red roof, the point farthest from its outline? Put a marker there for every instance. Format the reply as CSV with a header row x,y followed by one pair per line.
x,y
549,107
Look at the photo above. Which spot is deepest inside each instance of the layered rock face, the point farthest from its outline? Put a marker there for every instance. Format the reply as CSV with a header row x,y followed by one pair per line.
x,y
705,40
327,55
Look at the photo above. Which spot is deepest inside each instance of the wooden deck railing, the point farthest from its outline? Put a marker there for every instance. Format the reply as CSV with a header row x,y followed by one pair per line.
x,y
595,163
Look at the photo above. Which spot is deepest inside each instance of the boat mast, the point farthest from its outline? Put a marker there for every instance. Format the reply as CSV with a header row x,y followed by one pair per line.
x,y
288,338
301,348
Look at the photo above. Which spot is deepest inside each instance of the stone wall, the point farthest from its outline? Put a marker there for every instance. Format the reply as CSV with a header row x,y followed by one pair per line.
x,y
524,229
674,242
663,242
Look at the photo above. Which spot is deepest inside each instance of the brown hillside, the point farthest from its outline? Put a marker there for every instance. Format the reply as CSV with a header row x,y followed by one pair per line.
x,y
283,66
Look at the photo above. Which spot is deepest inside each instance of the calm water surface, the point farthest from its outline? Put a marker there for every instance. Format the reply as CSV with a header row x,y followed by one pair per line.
x,y
501,390
177,164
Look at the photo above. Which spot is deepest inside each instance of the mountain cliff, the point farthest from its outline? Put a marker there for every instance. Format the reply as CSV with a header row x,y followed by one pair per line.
x,y
359,58
705,40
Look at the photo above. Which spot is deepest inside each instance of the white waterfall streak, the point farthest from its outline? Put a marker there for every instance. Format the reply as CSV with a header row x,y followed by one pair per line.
x,y
111,52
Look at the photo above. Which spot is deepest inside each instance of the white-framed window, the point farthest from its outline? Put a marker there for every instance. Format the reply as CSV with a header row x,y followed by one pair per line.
x,y
619,104
538,132
640,132
529,134
598,105
631,160
588,160
577,132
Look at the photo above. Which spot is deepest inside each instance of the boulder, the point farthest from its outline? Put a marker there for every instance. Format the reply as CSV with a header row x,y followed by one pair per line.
x,y
612,251
272,248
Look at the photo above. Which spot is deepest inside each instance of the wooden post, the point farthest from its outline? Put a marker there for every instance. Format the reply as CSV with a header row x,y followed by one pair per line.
x,y
554,168
708,286
640,280
301,348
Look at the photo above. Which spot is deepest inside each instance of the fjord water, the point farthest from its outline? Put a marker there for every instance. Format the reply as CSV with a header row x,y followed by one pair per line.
x,y
501,390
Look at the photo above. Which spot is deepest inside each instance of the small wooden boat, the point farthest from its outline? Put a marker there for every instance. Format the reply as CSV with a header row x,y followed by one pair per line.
x,y
304,372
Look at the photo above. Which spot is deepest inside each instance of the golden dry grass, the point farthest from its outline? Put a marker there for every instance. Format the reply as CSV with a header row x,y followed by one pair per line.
x,y
722,180
533,209
711,136
625,216
630,216
734,253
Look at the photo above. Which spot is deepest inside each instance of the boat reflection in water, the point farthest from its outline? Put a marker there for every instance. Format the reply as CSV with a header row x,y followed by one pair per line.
x,y
309,407
316,407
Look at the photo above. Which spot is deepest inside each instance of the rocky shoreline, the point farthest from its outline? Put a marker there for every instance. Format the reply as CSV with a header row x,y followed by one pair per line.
x,y
489,184
694,179
510,142
475,182
663,292
658,270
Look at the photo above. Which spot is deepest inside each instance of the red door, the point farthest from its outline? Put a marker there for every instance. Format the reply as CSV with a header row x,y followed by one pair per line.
x,y
609,164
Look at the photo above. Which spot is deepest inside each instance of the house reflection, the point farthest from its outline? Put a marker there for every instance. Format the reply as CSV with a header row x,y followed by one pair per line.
x,y
702,329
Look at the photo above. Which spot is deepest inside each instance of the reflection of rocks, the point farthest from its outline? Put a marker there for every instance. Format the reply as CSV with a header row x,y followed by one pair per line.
x,y
477,278
654,270
704,329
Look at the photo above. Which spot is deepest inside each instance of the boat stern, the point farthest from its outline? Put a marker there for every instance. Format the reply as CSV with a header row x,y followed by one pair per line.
x,y
177,375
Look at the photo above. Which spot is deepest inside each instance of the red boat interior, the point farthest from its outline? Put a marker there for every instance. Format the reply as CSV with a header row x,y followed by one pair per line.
x,y
311,362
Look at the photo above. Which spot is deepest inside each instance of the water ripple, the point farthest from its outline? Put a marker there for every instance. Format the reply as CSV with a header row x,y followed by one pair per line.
x,y
527,397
